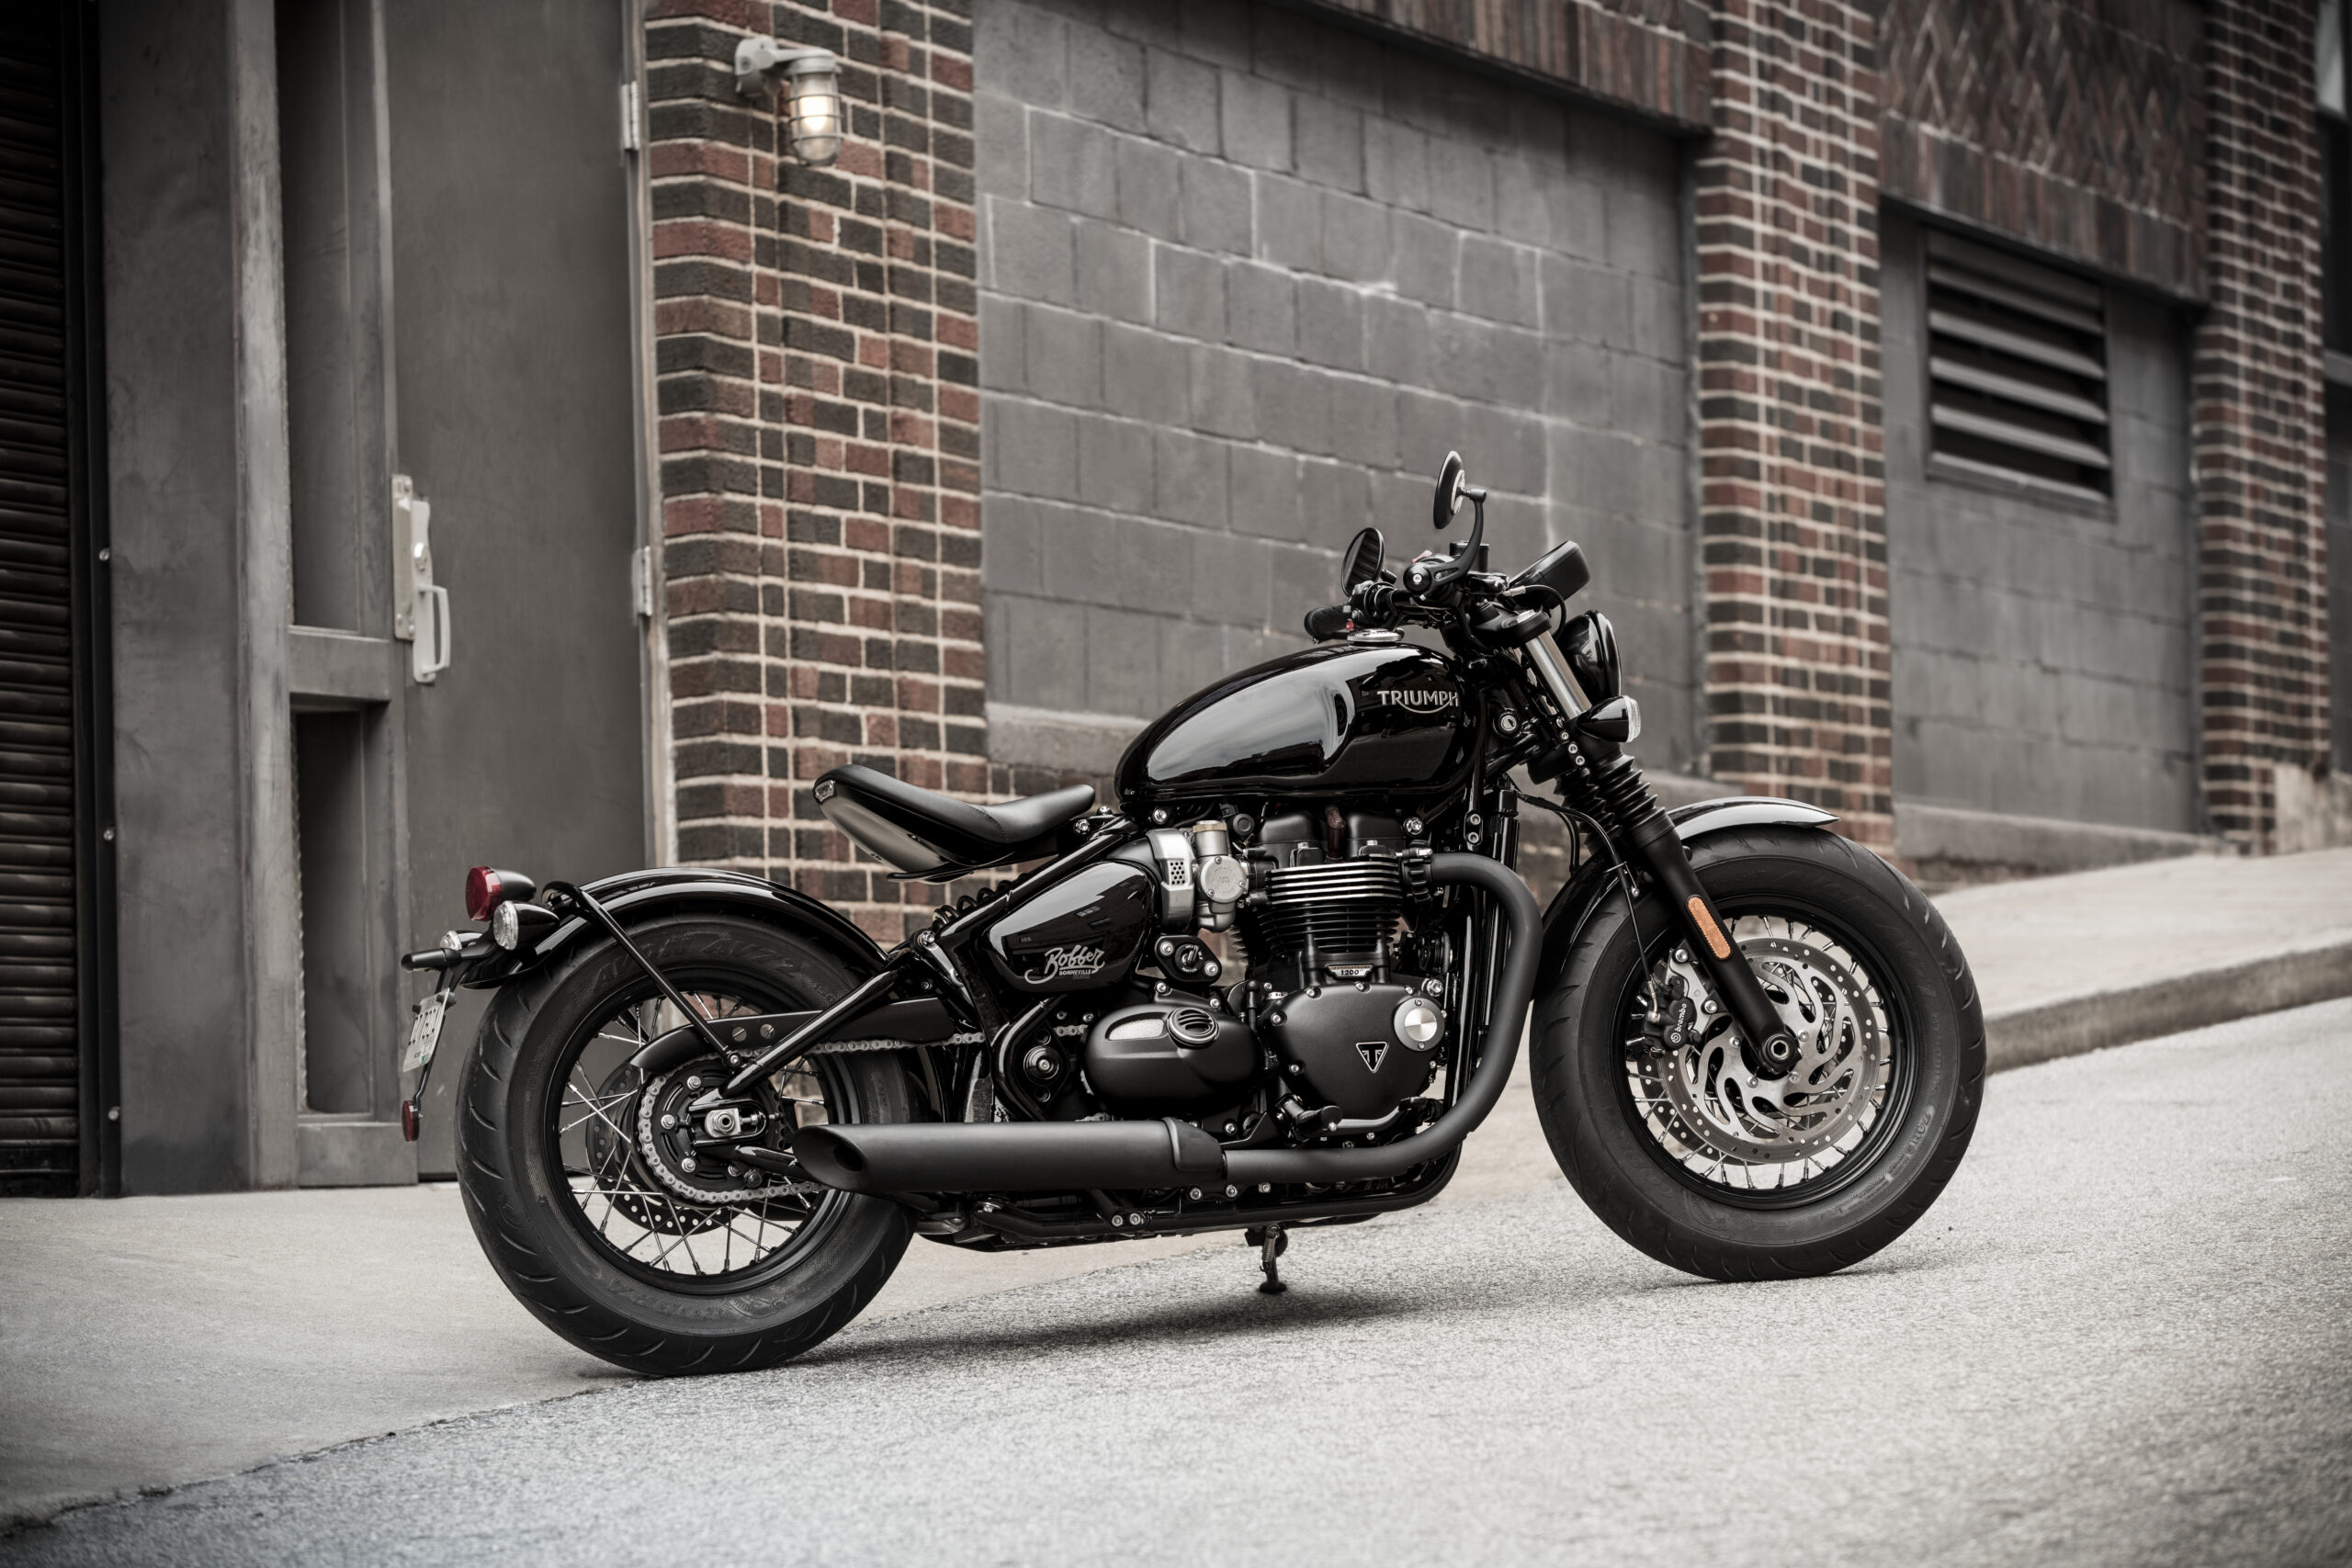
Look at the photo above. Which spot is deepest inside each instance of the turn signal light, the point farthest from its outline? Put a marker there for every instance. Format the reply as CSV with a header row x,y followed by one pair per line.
x,y
487,888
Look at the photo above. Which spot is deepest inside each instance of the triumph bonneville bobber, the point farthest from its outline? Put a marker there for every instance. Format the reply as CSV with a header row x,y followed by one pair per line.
x,y
705,1112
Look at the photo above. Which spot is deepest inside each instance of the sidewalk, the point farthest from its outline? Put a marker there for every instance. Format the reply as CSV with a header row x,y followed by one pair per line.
x,y
154,1341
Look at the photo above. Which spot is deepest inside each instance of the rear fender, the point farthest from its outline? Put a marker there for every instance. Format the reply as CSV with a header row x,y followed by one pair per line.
x,y
1574,905
636,897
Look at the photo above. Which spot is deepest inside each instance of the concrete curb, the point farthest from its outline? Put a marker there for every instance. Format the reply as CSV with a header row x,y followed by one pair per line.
x,y
2092,1023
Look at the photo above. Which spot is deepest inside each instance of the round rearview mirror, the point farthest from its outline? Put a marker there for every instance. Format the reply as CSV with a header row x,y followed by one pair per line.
x,y
1362,560
1449,491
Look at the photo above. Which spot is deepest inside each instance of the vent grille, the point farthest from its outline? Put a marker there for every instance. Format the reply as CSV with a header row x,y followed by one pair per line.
x,y
2016,362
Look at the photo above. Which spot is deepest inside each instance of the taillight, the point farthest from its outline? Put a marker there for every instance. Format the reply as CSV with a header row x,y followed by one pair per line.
x,y
483,893
487,888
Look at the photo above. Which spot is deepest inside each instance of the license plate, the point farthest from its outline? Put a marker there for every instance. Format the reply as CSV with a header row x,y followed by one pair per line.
x,y
424,1030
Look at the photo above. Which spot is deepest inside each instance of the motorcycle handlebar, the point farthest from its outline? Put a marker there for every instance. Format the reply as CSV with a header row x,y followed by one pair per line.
x,y
1326,622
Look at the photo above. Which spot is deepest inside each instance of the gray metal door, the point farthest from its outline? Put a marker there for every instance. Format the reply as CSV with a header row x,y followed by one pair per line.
x,y
458,241
511,258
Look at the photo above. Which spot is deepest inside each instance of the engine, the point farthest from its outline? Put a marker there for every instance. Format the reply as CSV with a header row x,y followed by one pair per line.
x,y
1355,1027
1335,1025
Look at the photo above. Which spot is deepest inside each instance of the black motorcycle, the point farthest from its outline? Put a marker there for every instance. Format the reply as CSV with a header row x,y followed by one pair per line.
x,y
1276,986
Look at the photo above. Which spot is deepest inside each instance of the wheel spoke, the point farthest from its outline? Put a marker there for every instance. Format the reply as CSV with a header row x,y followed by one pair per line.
x,y
638,1219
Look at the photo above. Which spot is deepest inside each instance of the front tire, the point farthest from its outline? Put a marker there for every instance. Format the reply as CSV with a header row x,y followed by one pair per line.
x,y
1660,1120
586,1196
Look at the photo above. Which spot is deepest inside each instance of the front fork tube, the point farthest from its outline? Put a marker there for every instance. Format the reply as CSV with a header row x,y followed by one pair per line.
x,y
1659,849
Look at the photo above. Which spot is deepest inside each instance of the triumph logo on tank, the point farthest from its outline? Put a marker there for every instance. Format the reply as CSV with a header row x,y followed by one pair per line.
x,y
1419,699
1073,960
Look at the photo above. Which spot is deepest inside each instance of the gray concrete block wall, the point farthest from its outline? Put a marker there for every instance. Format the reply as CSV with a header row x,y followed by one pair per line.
x,y
1246,277
2043,653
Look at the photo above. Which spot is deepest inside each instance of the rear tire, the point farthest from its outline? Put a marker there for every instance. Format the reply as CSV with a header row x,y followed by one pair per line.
x,y
1625,1154
520,1186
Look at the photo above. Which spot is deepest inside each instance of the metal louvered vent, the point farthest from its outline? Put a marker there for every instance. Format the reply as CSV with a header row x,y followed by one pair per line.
x,y
40,1067
2016,360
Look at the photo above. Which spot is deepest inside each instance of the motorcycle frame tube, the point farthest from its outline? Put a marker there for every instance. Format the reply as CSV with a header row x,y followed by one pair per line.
x,y
1506,1021
917,1021
810,1035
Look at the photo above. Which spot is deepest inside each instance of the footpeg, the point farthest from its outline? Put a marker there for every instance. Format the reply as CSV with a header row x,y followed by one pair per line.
x,y
1310,1123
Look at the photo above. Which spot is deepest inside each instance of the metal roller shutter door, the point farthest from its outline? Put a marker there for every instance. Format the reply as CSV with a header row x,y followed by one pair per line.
x,y
39,1064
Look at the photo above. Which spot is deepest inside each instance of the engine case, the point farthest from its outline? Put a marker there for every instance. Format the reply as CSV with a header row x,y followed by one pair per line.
x,y
1340,1043
1167,1056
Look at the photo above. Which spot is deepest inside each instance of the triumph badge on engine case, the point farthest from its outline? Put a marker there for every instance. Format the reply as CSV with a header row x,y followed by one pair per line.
x,y
1340,1044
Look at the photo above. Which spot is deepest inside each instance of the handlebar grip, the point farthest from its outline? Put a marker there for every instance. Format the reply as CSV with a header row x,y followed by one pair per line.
x,y
1329,621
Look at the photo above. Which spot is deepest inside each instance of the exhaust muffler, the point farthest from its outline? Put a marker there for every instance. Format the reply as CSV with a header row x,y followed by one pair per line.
x,y
1009,1157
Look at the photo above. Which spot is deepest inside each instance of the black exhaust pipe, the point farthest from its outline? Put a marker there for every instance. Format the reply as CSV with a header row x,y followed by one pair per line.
x,y
1009,1157
1062,1157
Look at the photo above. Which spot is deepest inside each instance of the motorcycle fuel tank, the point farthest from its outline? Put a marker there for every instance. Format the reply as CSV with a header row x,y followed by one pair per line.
x,y
1350,716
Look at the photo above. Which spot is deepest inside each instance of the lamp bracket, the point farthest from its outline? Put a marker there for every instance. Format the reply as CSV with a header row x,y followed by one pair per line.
x,y
758,55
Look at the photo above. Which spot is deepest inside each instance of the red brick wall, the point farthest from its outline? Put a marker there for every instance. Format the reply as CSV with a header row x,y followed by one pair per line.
x,y
1793,525
1647,55
2078,128
2260,417
816,345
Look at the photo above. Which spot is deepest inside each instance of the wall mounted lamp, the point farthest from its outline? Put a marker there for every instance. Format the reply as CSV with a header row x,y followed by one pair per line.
x,y
812,92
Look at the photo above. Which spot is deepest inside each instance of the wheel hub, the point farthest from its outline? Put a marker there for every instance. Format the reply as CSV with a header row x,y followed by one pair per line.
x,y
1697,1088
683,1139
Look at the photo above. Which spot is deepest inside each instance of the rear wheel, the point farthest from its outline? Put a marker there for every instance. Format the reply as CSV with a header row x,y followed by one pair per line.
x,y
626,1221
1656,1109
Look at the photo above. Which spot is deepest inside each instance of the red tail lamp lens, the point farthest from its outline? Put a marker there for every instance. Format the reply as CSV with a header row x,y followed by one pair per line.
x,y
485,890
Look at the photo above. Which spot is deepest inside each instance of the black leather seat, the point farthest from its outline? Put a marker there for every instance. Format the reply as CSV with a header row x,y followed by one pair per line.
x,y
924,833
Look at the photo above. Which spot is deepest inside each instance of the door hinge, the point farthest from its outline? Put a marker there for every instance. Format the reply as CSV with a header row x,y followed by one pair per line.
x,y
641,580
629,136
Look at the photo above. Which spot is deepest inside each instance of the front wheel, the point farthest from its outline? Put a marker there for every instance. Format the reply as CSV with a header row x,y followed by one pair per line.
x,y
1658,1114
624,1220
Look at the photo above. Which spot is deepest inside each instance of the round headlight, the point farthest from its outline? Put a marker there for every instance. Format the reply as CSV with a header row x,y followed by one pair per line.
x,y
1588,643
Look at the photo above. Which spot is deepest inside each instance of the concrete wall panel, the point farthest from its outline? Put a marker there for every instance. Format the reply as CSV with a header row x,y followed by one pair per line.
x,y
2042,645
1242,305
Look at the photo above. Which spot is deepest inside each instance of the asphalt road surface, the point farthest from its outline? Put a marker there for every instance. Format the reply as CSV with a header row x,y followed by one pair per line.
x,y
2123,1337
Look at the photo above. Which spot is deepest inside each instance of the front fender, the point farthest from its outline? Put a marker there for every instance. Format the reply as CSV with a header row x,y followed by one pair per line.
x,y
1574,904
676,889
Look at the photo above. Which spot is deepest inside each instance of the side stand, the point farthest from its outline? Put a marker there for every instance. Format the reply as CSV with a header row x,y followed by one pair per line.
x,y
1270,1242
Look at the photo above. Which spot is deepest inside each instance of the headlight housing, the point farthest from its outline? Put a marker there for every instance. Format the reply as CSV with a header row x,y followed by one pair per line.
x,y
1588,643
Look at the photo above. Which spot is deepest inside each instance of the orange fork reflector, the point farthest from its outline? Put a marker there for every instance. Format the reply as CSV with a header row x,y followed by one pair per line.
x,y
1704,918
